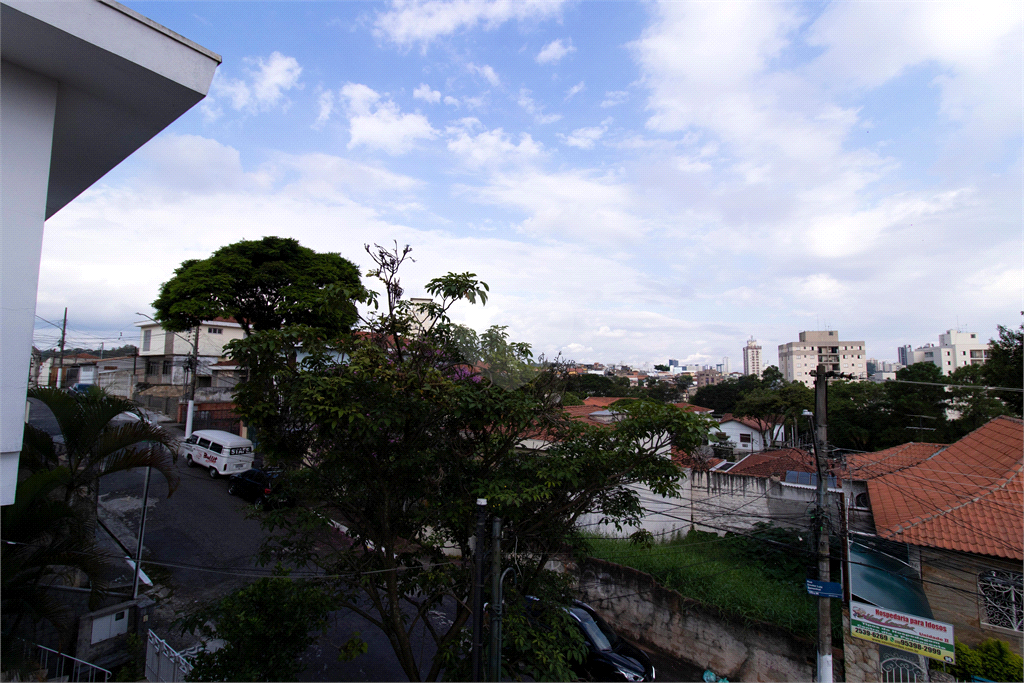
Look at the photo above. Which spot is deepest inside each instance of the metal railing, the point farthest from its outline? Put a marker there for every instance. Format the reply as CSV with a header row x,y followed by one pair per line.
x,y
65,667
163,662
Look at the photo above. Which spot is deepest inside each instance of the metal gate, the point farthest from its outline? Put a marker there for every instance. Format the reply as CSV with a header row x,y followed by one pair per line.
x,y
898,666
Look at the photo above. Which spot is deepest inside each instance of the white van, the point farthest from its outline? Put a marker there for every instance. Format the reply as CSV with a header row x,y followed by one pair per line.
x,y
222,453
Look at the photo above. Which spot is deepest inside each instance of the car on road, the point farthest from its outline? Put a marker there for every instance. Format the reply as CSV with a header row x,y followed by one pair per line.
x,y
222,453
609,657
260,487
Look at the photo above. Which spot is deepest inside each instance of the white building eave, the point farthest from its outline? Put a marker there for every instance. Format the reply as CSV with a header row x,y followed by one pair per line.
x,y
121,79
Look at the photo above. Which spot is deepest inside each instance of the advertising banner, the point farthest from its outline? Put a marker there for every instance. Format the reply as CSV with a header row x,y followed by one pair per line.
x,y
902,631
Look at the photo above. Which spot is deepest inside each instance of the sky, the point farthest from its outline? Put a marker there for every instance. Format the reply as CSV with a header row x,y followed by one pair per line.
x,y
634,181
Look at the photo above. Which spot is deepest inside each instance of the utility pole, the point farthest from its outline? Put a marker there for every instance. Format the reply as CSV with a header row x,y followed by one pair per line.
x,y
63,336
494,670
192,391
479,552
821,377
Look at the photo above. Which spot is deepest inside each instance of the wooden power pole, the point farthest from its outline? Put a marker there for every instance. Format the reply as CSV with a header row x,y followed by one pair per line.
x,y
63,336
820,445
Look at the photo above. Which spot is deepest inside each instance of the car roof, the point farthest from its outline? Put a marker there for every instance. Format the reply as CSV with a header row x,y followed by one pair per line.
x,y
223,438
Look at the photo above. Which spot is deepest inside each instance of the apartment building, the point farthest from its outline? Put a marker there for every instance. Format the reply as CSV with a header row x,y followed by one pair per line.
x,y
752,358
954,350
797,359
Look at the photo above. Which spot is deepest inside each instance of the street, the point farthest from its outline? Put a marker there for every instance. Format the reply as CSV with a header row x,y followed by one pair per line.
x,y
206,545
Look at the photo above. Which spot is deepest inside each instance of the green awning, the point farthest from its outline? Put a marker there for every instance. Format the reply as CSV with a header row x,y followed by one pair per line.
x,y
880,576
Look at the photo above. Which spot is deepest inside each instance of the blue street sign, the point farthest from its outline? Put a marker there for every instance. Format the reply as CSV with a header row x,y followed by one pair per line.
x,y
824,589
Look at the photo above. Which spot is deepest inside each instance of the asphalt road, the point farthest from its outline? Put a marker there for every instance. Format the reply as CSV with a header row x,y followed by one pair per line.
x,y
205,544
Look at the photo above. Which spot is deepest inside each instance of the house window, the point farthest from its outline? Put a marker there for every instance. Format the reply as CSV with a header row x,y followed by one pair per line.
x,y
1002,593
215,330
167,367
147,338
152,367
745,438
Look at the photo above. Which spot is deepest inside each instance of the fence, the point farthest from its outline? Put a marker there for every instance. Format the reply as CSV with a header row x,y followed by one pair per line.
x,y
163,663
54,665
168,405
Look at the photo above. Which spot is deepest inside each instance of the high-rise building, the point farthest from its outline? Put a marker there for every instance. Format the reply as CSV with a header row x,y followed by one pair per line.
x,y
752,358
904,354
955,350
797,359
672,362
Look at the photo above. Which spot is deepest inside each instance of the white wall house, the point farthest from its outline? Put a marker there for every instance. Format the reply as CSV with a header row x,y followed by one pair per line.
x,y
745,434
954,350
83,85
164,355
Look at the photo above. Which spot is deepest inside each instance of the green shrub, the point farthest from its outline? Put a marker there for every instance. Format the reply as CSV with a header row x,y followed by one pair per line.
x,y
992,659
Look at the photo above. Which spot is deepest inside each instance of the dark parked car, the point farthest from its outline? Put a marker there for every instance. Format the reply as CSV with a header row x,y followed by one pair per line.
x,y
258,486
609,657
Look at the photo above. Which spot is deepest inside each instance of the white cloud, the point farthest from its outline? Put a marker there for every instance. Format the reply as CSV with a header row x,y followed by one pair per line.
x,y
379,124
413,21
584,138
554,51
423,92
490,148
326,104
535,110
264,86
574,90
485,71
451,101
614,97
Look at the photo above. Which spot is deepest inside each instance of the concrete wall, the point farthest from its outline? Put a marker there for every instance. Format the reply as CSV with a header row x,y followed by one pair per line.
x,y
112,652
951,585
661,619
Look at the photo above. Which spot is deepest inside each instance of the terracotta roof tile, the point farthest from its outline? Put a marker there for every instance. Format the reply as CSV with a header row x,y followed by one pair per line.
x,y
751,422
968,496
605,401
691,408
769,463
865,466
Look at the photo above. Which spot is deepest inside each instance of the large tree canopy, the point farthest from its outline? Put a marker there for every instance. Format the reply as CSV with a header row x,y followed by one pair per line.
x,y
395,431
264,284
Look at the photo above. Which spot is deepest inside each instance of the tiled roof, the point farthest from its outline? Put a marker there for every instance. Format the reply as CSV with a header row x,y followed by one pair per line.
x,y
870,465
777,463
691,408
751,422
683,459
966,497
605,401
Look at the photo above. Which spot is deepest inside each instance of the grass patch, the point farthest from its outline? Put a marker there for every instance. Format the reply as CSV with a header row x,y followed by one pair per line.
x,y
751,579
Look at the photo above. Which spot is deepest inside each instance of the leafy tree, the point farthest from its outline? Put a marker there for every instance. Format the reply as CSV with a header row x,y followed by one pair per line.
x,y
972,407
394,433
266,627
772,377
859,416
918,411
684,381
773,408
571,399
722,397
661,368
597,385
1005,366
264,284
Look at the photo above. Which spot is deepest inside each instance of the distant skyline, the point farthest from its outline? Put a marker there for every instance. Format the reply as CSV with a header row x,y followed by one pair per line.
x,y
635,181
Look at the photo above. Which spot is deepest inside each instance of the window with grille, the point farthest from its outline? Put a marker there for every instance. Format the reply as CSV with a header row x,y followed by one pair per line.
x,y
1002,595
167,367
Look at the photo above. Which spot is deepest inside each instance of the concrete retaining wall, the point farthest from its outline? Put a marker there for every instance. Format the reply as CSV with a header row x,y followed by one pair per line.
x,y
661,619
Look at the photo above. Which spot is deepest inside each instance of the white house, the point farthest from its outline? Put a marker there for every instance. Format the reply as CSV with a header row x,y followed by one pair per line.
x,y
745,433
955,350
82,86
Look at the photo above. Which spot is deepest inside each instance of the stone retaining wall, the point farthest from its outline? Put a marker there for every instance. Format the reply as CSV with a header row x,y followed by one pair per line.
x,y
661,619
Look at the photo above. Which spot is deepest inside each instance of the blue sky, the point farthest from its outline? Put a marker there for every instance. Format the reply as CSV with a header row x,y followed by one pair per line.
x,y
636,181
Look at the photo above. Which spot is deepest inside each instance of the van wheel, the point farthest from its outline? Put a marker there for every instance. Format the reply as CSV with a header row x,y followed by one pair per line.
x,y
189,460
213,473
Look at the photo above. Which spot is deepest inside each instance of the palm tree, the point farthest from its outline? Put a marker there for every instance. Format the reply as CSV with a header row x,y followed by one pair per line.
x,y
93,444
45,543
